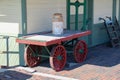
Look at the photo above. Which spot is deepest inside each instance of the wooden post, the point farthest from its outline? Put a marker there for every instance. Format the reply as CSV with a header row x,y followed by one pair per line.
x,y
114,10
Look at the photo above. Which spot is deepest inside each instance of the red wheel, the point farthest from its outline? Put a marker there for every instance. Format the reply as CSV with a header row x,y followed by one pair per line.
x,y
80,51
30,55
58,58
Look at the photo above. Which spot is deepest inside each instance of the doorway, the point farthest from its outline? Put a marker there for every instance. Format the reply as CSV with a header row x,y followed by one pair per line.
x,y
79,14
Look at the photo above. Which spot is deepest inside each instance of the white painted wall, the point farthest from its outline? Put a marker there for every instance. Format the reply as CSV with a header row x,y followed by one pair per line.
x,y
10,16
102,8
10,24
40,12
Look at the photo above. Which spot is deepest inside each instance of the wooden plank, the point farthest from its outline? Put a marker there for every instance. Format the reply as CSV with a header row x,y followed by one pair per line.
x,y
49,39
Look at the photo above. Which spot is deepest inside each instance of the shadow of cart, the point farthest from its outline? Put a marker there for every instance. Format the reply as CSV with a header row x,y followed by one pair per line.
x,y
100,56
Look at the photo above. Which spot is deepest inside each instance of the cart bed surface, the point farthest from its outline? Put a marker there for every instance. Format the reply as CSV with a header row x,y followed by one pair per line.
x,y
49,38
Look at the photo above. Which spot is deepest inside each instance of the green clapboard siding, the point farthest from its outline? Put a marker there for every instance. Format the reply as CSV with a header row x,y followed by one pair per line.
x,y
99,34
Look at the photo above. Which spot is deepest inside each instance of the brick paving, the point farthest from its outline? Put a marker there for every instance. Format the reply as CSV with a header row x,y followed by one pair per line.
x,y
102,63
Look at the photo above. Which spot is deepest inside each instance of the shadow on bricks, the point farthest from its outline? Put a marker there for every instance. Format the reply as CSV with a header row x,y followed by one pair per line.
x,y
14,75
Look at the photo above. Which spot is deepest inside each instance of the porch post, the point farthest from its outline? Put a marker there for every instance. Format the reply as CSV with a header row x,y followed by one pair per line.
x,y
119,12
24,30
68,14
114,10
90,12
24,16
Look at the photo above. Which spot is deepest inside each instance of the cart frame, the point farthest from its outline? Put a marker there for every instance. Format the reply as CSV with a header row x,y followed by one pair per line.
x,y
56,48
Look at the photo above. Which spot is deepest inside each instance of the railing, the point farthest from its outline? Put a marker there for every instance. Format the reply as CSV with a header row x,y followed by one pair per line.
x,y
6,45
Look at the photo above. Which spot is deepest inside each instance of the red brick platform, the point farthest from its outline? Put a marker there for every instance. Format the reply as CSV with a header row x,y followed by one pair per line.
x,y
102,63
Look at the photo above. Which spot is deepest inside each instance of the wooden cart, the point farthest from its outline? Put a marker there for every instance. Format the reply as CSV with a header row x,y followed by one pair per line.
x,y
55,46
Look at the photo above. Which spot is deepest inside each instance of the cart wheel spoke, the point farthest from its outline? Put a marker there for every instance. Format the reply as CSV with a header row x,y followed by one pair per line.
x,y
58,58
31,55
80,51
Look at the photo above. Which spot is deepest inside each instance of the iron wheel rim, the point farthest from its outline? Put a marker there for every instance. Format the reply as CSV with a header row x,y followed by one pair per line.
x,y
80,51
31,60
58,58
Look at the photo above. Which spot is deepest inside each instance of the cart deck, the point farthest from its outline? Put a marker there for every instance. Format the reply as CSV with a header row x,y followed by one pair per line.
x,y
55,46
49,38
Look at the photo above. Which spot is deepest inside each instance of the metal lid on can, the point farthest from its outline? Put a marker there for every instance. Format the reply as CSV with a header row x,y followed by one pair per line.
x,y
57,17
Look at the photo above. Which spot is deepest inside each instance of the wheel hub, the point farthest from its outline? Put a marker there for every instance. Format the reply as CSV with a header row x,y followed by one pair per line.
x,y
81,51
59,57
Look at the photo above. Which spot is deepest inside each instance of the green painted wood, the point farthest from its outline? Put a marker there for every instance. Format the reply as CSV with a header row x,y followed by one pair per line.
x,y
84,17
114,9
68,14
72,22
119,12
76,17
77,4
21,54
99,34
24,16
90,20
24,30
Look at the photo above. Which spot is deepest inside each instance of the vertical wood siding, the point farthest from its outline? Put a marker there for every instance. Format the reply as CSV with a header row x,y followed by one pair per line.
x,y
40,12
102,8
10,24
10,16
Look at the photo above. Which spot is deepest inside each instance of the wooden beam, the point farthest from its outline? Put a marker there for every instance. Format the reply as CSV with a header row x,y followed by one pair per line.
x,y
24,31
24,16
119,12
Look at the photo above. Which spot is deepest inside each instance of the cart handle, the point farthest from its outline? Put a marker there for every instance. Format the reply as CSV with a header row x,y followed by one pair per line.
x,y
100,18
109,18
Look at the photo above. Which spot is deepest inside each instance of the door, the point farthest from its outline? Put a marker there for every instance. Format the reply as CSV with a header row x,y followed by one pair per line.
x,y
79,14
